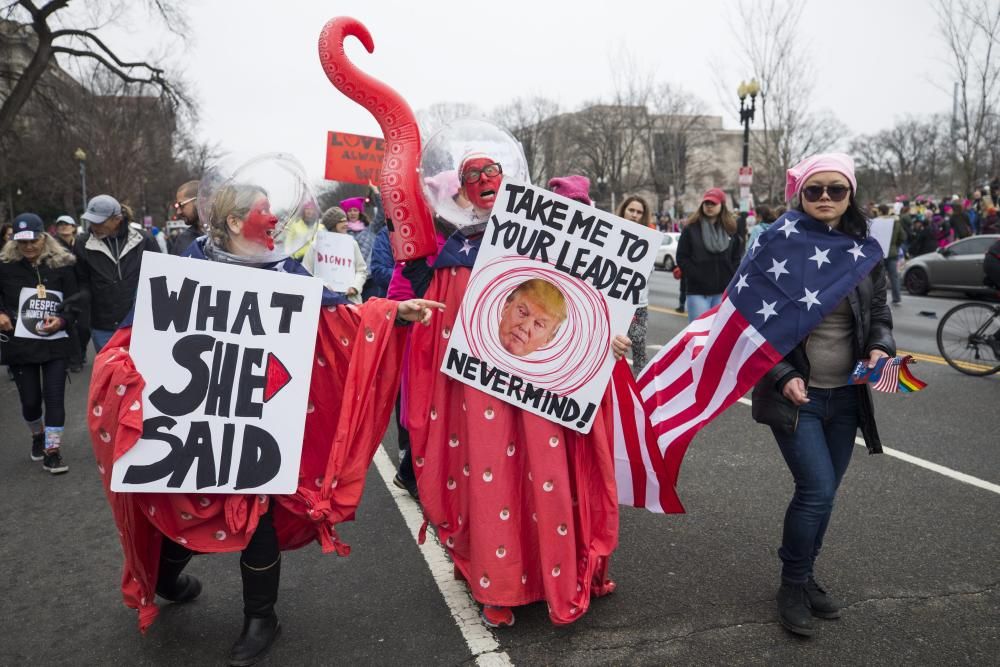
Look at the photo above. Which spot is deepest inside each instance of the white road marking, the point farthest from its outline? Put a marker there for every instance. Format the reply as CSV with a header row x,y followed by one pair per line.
x,y
478,637
923,463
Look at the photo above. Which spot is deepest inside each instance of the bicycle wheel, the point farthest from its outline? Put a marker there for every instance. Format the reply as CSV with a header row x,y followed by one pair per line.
x,y
969,338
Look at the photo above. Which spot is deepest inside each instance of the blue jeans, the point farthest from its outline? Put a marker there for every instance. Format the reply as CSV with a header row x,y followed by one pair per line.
x,y
892,271
817,453
100,338
697,304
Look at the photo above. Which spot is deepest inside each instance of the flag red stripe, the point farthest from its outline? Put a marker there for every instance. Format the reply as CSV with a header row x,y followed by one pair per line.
x,y
626,406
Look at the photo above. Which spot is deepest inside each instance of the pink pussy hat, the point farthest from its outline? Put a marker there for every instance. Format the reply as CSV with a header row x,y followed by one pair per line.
x,y
353,202
572,187
798,175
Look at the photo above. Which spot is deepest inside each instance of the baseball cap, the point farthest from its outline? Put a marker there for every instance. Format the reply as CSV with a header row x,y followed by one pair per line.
x,y
28,227
715,195
100,208
65,220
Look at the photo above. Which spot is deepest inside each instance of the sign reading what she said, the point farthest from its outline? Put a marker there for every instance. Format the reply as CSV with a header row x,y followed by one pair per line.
x,y
553,282
226,353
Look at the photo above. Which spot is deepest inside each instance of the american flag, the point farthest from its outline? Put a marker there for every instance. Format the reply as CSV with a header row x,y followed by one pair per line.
x,y
889,375
793,275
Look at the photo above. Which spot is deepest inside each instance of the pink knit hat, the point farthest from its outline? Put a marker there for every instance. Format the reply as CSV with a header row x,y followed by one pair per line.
x,y
572,187
800,173
353,202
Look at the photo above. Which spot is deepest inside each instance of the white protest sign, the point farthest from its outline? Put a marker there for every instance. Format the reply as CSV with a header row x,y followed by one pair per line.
x,y
226,353
32,309
554,281
881,230
335,260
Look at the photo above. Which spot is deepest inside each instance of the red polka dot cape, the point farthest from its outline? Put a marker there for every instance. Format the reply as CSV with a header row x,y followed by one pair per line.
x,y
527,509
354,383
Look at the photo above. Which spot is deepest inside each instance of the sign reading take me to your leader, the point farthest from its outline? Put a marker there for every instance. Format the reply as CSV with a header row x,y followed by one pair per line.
x,y
226,353
553,282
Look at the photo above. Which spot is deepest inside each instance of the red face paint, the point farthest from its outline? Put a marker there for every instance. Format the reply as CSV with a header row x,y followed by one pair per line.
x,y
260,223
483,192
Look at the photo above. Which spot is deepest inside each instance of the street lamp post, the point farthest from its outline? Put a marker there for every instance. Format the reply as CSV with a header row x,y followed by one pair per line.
x,y
746,117
81,157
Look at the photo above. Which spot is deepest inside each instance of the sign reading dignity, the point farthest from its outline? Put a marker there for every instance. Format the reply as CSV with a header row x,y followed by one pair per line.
x,y
226,353
554,281
353,158
335,260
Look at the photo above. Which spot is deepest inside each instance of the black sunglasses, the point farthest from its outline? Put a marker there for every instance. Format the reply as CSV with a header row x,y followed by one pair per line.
x,y
490,170
812,193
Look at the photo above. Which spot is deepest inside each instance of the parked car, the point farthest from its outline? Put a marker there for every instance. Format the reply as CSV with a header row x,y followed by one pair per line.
x,y
956,267
666,256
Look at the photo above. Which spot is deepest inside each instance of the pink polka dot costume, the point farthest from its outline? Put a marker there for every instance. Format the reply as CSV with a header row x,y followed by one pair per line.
x,y
354,381
527,509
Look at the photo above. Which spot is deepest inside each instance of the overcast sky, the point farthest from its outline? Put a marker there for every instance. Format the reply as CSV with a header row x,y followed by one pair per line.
x,y
256,74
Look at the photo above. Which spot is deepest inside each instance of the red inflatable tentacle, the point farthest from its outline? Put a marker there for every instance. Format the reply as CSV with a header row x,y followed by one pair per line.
x,y
411,222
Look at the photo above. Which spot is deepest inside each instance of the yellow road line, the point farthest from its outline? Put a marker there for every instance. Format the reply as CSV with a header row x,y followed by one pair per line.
x,y
930,358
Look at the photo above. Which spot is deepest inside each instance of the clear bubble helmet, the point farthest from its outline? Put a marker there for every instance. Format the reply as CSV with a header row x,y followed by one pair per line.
x,y
263,212
461,168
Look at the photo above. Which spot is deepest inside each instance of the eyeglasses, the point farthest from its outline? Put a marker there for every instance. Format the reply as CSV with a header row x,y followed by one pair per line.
x,y
812,193
490,170
181,204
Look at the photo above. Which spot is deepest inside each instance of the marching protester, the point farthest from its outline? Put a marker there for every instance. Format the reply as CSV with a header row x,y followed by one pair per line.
x,y
6,232
807,400
66,231
159,545
334,221
635,209
108,258
477,457
38,303
708,253
186,210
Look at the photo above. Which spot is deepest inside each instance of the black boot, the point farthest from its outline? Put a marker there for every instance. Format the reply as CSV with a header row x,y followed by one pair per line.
x,y
820,603
260,623
793,609
37,446
170,583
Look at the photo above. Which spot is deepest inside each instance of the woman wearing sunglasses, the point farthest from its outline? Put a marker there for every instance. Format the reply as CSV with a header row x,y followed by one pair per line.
x,y
807,400
708,253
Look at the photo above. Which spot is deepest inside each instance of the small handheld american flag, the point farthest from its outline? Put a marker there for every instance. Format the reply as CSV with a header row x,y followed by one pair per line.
x,y
890,375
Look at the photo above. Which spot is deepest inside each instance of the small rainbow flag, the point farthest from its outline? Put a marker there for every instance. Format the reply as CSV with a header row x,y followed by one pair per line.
x,y
890,375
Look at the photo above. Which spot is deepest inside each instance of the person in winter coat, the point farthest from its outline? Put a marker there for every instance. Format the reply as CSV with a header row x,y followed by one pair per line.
x,y
708,253
807,399
334,221
38,303
186,209
108,258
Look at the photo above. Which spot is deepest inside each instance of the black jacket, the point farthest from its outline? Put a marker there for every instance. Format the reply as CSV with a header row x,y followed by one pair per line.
x,y
108,272
705,272
184,238
872,330
56,274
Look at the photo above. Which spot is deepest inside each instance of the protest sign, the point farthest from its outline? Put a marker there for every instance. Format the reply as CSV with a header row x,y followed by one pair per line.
x,y
34,305
226,353
335,260
554,281
354,158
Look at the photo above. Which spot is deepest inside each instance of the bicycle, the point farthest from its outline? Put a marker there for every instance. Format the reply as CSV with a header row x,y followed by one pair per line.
x,y
968,338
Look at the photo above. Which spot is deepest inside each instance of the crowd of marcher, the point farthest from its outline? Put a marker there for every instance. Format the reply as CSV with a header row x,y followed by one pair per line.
x,y
63,289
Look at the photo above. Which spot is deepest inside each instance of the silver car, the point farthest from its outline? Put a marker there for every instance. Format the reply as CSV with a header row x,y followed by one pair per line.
x,y
666,256
957,267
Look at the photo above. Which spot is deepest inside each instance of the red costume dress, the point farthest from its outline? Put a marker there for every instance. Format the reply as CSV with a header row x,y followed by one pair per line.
x,y
527,509
354,383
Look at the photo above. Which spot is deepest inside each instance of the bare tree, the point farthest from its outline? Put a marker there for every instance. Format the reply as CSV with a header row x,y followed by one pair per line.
x,y
530,121
909,158
677,143
971,30
768,31
51,38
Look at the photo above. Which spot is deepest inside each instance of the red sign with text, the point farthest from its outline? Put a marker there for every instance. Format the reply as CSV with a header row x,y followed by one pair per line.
x,y
354,158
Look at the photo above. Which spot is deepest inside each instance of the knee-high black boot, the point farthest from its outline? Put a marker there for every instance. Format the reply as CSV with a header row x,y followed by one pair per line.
x,y
170,583
260,623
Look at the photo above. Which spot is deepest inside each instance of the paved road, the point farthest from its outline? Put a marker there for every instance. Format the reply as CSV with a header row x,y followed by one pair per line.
x,y
913,553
